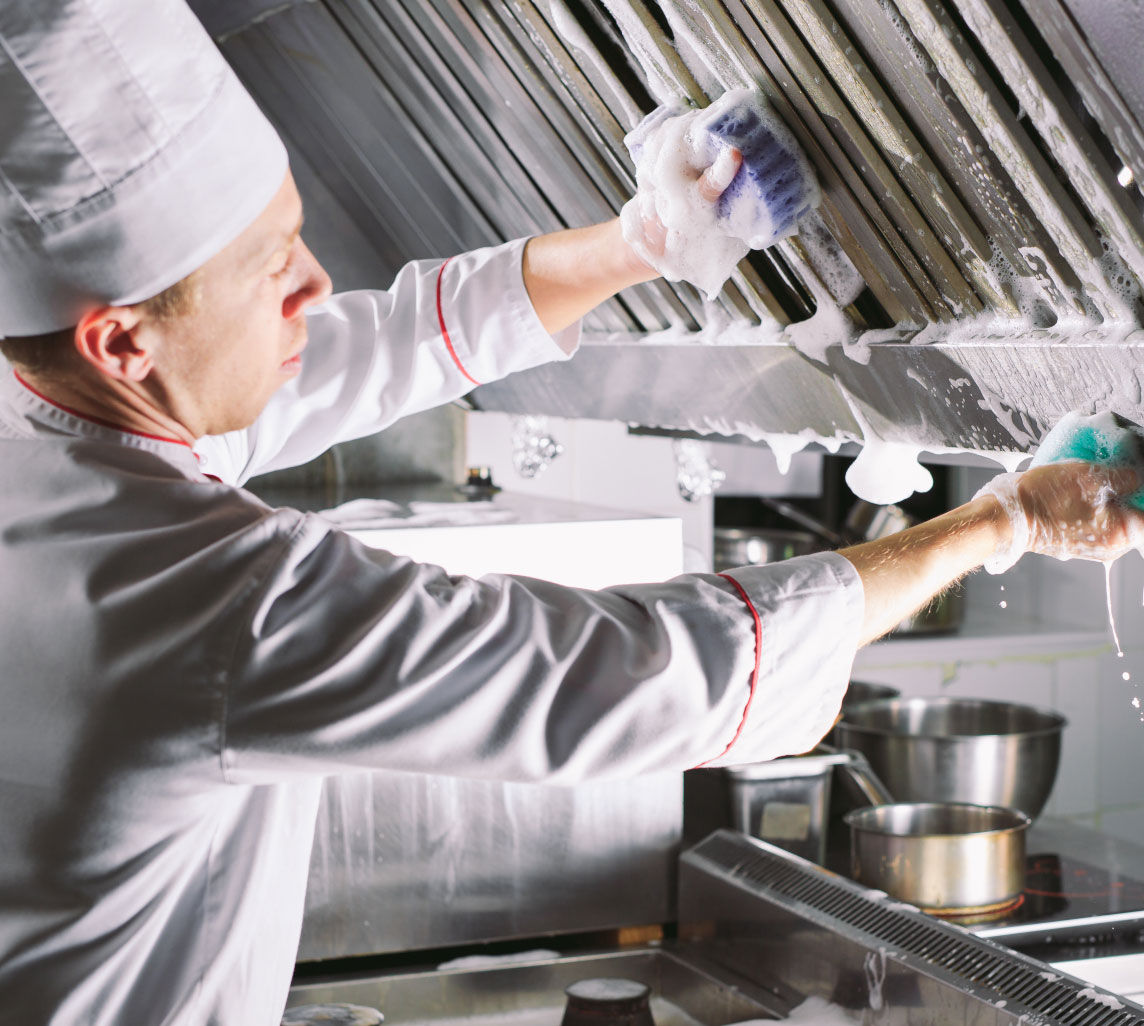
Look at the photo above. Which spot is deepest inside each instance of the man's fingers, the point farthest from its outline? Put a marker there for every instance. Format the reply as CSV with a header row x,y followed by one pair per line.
x,y
1124,480
714,181
655,235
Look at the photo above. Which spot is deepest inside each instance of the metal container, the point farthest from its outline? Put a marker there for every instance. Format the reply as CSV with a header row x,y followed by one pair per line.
x,y
947,858
784,801
746,546
958,749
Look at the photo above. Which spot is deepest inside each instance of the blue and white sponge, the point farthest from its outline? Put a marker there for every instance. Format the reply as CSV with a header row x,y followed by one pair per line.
x,y
701,241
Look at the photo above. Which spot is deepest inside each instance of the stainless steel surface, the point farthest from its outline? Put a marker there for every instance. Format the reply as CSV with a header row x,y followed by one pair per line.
x,y
968,151
735,546
861,774
763,912
860,691
958,750
869,521
943,857
402,862
684,991
804,520
787,802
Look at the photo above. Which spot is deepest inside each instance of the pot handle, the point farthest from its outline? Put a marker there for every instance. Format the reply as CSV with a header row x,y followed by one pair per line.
x,y
862,775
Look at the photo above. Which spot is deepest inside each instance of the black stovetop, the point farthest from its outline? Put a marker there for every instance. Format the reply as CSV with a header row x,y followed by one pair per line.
x,y
1084,891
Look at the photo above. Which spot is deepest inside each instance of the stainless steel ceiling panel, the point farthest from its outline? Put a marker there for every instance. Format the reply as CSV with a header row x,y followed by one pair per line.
x,y
998,393
956,144
1074,148
857,156
1017,151
749,390
968,151
1079,62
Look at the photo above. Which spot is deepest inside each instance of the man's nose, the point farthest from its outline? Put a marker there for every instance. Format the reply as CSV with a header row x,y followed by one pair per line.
x,y
315,286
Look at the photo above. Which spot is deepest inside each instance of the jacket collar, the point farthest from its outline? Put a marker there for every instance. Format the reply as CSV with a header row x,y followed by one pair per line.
x,y
26,413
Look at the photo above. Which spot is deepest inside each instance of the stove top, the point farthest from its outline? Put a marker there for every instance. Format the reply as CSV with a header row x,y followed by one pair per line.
x,y
1069,901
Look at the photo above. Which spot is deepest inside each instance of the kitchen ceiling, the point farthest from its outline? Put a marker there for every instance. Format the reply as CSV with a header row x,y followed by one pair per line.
x,y
972,273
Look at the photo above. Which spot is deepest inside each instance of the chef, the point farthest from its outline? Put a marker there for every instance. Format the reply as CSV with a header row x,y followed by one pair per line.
x,y
182,664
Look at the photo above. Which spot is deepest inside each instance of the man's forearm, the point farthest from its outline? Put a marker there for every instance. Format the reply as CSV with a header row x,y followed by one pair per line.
x,y
569,273
903,572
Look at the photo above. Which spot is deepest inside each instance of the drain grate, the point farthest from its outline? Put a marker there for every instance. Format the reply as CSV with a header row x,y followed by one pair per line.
x,y
972,959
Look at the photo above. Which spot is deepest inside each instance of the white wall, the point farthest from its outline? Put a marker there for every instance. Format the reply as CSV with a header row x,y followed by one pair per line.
x,y
601,464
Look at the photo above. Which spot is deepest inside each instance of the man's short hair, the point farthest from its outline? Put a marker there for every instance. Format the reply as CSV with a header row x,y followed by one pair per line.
x,y
51,354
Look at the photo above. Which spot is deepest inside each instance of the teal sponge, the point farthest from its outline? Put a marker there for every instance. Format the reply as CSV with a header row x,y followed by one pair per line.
x,y
1104,438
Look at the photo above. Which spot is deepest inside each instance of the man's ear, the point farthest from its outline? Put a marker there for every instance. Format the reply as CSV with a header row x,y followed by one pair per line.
x,y
108,338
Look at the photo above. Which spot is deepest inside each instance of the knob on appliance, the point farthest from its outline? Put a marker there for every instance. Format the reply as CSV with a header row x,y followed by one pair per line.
x,y
607,1001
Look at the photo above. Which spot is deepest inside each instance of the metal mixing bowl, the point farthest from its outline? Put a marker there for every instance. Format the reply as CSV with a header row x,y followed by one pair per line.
x,y
747,546
958,749
945,858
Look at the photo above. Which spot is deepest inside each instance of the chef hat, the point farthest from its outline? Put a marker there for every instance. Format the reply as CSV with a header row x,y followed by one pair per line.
x,y
130,154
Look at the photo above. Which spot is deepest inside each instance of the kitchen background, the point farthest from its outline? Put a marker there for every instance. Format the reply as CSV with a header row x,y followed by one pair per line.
x,y
1051,645
972,274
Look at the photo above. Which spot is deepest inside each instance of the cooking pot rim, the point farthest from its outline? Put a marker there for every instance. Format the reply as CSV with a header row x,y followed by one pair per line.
x,y
1056,725
1021,823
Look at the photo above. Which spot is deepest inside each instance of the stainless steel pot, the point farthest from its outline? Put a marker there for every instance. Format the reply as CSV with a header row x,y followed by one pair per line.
x,y
745,546
951,859
958,749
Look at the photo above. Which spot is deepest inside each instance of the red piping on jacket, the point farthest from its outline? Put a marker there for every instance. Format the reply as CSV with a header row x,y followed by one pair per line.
x,y
445,331
754,673
97,420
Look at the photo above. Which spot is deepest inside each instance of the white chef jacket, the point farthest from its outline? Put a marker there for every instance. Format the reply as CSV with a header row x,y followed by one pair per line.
x,y
183,664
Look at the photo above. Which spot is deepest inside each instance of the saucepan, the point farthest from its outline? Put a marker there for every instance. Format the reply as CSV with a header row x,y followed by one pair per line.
x,y
948,858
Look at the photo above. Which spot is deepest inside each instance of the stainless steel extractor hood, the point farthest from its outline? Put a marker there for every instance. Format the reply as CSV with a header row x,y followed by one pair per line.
x,y
972,273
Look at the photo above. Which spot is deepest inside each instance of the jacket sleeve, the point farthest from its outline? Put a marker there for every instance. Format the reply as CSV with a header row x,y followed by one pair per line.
x,y
440,330
354,657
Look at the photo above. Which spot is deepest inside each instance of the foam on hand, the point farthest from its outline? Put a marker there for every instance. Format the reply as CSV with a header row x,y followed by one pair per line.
x,y
703,241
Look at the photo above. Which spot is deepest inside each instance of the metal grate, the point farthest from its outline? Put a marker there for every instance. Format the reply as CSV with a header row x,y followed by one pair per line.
x,y
971,959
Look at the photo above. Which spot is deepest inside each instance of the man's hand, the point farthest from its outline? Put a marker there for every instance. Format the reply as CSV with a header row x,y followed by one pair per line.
x,y
644,231
1066,510
1069,511
569,273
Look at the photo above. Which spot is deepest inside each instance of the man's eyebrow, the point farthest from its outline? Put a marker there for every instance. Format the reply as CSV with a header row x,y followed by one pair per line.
x,y
264,253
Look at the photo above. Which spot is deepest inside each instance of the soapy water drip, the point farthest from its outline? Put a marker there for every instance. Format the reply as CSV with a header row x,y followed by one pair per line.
x,y
875,969
1108,598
